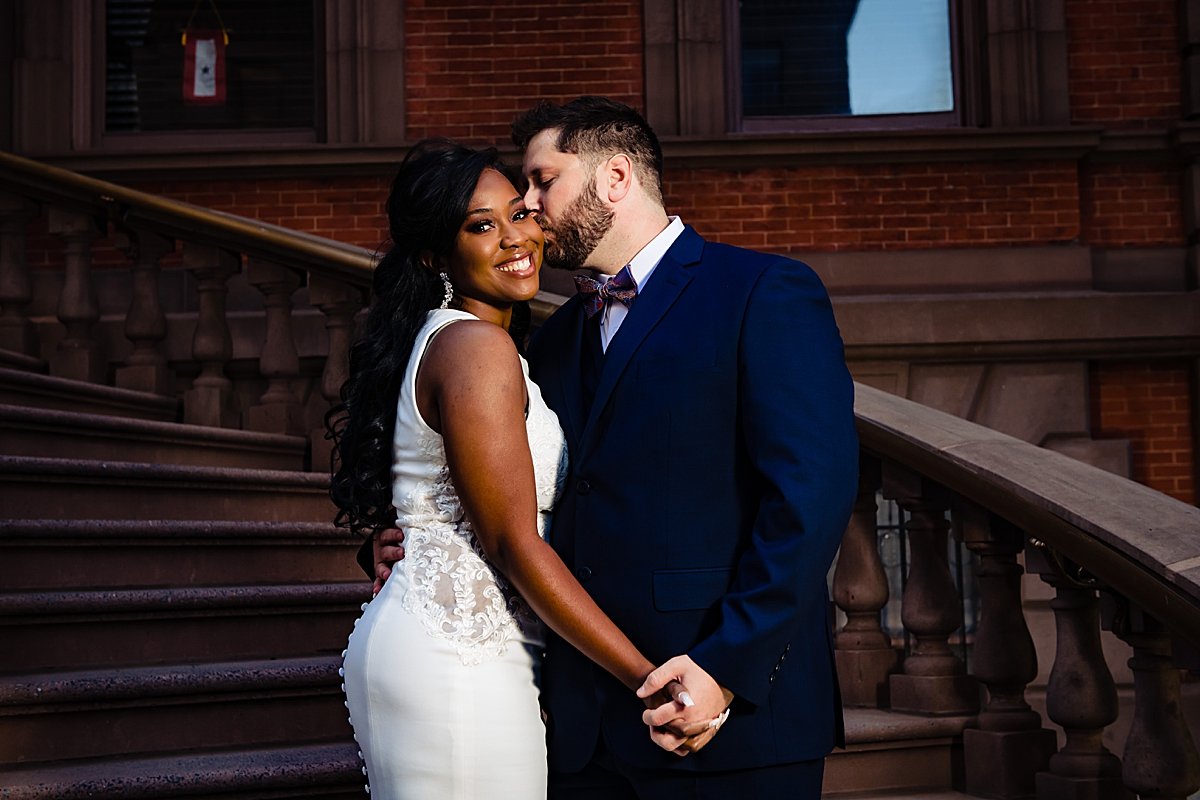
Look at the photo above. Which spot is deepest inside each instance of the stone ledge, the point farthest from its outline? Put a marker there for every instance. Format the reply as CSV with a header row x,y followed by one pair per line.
x,y
228,773
140,684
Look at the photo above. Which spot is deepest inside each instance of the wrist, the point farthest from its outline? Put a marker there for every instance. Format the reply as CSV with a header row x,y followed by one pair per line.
x,y
637,674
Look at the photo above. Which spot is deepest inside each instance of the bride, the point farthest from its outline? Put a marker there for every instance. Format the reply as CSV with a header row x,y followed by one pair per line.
x,y
442,433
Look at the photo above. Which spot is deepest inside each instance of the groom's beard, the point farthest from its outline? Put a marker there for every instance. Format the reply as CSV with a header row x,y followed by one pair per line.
x,y
571,240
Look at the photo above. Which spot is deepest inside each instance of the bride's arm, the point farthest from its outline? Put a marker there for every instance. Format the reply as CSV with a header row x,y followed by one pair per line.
x,y
471,389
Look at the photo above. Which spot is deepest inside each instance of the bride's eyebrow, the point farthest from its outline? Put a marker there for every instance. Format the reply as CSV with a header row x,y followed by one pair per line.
x,y
511,203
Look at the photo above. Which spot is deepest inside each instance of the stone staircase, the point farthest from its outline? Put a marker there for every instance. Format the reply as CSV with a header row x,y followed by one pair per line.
x,y
173,604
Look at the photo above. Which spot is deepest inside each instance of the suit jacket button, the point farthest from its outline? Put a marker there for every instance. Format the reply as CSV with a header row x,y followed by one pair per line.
x,y
584,573
583,487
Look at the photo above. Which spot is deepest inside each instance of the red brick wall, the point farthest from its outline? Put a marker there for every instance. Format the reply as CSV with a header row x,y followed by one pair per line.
x,y
1148,403
1132,205
1123,62
471,66
881,207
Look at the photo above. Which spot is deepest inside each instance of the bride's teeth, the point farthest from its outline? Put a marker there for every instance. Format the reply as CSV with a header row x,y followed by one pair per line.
x,y
516,266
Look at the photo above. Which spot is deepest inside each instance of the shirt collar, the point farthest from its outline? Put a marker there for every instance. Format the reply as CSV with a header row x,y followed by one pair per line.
x,y
648,257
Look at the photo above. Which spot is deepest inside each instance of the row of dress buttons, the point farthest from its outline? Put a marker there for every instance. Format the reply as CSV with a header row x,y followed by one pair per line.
x,y
346,703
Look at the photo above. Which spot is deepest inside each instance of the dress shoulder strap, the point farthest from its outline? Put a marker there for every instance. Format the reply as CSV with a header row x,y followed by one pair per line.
x,y
435,321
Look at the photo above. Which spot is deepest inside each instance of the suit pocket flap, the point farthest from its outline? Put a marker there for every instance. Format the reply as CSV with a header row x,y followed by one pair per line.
x,y
689,589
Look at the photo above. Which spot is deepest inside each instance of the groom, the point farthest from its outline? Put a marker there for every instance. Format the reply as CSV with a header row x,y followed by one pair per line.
x,y
708,412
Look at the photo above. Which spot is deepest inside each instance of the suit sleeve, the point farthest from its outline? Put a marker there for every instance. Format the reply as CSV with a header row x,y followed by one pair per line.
x,y
366,558
796,417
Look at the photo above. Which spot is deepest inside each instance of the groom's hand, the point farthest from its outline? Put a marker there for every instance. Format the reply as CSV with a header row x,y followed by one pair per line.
x,y
676,726
387,547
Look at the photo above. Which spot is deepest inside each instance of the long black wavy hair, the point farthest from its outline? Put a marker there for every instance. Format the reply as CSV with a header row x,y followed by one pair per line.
x,y
425,209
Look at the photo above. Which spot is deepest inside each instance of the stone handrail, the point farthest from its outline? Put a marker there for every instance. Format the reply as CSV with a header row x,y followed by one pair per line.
x,y
1117,554
1126,534
176,219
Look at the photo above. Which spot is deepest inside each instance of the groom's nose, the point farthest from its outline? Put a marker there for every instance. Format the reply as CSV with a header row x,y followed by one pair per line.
x,y
533,198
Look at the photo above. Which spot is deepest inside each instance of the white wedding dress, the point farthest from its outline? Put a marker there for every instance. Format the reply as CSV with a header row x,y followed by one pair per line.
x,y
440,669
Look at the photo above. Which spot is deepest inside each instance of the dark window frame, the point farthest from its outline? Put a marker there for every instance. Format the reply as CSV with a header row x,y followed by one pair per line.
x,y
741,123
1011,59
126,141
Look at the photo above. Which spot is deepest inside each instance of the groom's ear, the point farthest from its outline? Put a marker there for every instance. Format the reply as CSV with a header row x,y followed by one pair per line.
x,y
617,178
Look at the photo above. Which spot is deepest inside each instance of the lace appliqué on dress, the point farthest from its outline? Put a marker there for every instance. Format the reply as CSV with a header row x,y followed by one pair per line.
x,y
452,588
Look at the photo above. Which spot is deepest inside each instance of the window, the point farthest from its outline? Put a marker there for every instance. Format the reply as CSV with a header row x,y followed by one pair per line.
x,y
843,63
269,65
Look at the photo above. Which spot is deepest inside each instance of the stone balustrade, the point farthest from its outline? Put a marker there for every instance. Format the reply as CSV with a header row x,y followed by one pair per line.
x,y
1116,554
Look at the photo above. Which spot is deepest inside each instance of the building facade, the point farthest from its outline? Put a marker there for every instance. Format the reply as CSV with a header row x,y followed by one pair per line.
x,y
1015,243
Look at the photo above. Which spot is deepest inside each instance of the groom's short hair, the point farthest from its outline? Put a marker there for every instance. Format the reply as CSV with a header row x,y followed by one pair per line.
x,y
594,128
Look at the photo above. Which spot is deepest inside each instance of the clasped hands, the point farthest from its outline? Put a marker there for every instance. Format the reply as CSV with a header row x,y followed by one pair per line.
x,y
681,720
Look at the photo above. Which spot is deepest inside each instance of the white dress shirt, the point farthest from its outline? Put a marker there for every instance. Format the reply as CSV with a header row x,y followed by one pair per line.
x,y
640,267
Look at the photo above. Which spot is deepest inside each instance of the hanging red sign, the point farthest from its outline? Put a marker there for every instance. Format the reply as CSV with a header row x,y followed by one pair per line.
x,y
204,67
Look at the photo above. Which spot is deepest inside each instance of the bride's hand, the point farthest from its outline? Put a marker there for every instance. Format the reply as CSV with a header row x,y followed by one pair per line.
x,y
673,692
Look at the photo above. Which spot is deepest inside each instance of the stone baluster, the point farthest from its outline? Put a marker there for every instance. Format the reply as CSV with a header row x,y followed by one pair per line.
x,y
933,679
1010,746
339,302
210,400
17,333
1160,758
864,653
279,409
145,323
1080,695
78,355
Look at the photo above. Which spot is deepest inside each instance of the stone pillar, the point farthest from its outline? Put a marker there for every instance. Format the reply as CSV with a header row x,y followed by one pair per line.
x,y
1160,759
16,330
864,653
279,409
210,400
339,302
145,323
1080,695
1009,747
78,355
933,679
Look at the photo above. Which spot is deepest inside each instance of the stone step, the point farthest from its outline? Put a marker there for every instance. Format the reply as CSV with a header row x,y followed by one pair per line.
x,y
887,751
20,361
59,488
60,716
89,553
49,433
923,794
325,770
79,629
24,388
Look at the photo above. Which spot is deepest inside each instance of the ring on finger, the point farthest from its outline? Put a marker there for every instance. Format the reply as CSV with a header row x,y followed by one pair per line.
x,y
719,719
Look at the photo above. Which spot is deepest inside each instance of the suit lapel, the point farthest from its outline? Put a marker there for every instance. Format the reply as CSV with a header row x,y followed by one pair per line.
x,y
660,293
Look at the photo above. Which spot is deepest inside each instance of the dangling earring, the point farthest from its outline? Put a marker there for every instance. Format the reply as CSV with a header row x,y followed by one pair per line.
x,y
449,289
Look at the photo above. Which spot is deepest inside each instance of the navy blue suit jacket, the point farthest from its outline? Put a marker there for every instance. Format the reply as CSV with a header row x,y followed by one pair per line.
x,y
710,486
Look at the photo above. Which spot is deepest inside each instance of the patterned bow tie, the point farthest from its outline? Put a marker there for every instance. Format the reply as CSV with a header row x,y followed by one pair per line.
x,y
597,295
